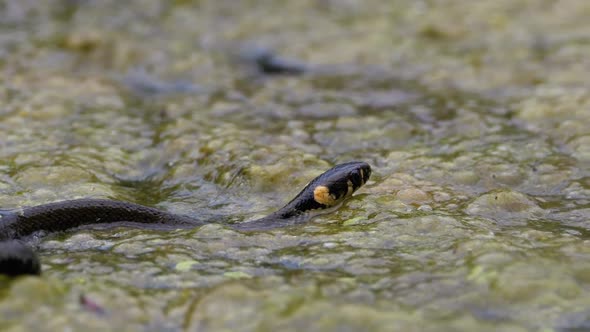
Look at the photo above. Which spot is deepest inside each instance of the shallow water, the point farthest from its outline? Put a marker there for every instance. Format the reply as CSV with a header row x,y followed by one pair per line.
x,y
474,115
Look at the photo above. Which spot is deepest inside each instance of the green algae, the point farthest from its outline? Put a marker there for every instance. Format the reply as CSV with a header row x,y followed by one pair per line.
x,y
473,114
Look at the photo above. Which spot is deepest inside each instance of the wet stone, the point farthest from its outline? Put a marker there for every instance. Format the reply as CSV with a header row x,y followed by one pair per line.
x,y
326,110
505,206
413,195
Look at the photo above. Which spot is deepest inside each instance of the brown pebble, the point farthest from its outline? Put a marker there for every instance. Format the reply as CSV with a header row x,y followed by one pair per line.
x,y
412,195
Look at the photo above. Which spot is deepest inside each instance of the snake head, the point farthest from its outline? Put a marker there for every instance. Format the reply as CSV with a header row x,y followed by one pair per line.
x,y
323,194
340,182
329,189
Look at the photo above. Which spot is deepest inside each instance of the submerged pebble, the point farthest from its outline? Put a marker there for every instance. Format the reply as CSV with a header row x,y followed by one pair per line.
x,y
412,196
505,206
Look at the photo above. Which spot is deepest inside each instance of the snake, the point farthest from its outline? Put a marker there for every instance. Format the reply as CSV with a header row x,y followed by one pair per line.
x,y
323,194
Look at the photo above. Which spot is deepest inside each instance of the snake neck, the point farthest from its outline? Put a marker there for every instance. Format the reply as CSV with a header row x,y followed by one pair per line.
x,y
285,217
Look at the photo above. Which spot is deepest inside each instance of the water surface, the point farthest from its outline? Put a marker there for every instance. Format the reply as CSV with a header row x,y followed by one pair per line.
x,y
474,115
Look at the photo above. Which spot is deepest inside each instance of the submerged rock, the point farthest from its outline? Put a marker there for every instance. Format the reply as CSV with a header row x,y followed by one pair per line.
x,y
412,196
268,62
505,206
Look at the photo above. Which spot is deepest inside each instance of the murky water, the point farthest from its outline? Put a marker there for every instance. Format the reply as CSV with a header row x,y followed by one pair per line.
x,y
474,115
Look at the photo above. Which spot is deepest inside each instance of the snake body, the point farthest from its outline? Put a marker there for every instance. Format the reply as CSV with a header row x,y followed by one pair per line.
x,y
322,194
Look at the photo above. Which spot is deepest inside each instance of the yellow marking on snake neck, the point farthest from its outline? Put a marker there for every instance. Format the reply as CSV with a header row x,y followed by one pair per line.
x,y
362,176
321,194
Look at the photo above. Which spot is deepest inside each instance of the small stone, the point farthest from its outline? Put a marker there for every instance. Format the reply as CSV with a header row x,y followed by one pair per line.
x,y
352,221
412,195
425,208
465,177
441,196
185,265
237,275
506,205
